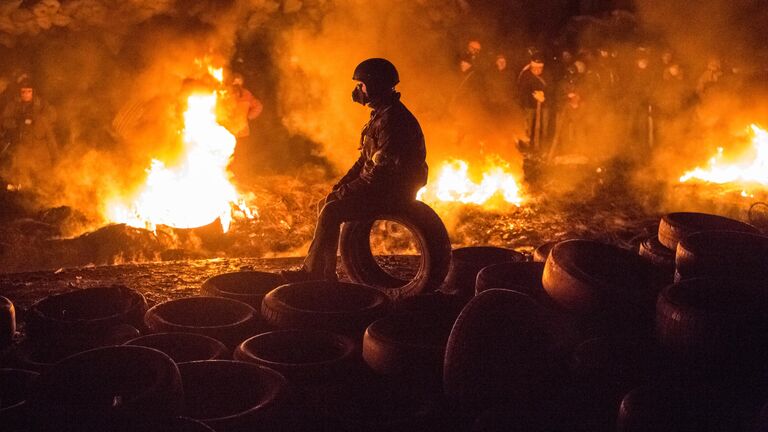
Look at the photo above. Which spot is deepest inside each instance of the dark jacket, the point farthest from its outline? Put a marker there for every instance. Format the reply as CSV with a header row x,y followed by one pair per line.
x,y
392,155
527,83
30,124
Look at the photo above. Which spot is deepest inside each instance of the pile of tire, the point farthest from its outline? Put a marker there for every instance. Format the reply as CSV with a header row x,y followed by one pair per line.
x,y
607,290
64,324
338,307
503,348
523,276
466,262
7,322
407,347
674,227
246,286
710,325
226,320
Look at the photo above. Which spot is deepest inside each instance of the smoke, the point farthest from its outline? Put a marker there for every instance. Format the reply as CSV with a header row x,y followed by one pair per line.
x,y
423,39
115,70
696,33
116,73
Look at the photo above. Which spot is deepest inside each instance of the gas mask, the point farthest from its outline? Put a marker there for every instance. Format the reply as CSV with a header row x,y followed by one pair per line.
x,y
359,96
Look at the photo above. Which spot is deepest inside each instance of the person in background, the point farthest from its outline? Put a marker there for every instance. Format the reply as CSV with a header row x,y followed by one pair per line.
x,y
500,87
532,92
30,146
710,77
389,172
246,108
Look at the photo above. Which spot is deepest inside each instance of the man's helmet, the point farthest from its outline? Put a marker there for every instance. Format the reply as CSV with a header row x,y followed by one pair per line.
x,y
378,75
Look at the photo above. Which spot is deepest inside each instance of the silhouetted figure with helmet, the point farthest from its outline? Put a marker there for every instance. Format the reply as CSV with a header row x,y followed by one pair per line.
x,y
389,172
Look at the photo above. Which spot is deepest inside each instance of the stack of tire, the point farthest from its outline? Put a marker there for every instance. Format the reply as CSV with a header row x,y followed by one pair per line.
x,y
64,324
661,249
72,367
502,377
466,262
712,324
605,289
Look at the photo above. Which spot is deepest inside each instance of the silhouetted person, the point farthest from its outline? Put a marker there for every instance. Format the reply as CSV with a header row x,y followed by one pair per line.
x,y
710,77
533,91
390,170
31,145
500,86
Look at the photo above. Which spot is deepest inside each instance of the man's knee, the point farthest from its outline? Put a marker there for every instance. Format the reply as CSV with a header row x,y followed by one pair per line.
x,y
330,212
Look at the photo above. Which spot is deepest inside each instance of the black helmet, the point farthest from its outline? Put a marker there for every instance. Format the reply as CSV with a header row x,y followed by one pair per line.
x,y
378,74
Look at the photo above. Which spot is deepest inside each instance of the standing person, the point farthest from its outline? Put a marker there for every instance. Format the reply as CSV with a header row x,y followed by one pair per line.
x,y
532,89
390,170
500,87
639,105
241,108
245,108
31,145
710,77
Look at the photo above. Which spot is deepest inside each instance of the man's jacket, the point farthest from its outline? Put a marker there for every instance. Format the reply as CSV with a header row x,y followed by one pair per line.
x,y
392,156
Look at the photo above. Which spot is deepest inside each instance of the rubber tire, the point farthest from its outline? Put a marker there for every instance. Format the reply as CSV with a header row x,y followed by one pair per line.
x,y
674,227
79,392
658,254
591,278
702,322
233,396
88,311
246,286
430,234
467,262
666,407
379,405
302,356
524,277
16,386
501,348
184,347
541,253
226,320
41,356
408,345
186,424
723,254
7,322
435,303
340,307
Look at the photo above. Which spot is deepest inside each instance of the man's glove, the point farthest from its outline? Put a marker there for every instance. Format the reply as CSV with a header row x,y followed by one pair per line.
x,y
539,96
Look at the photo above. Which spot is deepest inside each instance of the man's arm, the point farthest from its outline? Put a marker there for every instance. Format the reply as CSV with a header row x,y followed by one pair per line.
x,y
255,107
352,174
9,117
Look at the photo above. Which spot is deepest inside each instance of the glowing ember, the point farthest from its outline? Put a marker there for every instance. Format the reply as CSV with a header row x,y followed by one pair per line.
x,y
197,190
751,168
453,184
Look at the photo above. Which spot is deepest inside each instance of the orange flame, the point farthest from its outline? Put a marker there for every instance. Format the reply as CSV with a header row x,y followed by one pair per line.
x,y
453,184
197,190
750,168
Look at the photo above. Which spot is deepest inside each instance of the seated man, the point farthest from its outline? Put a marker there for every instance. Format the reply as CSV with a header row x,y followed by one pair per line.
x,y
390,170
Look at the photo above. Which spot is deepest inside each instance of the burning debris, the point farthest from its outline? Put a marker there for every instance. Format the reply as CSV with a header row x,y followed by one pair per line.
x,y
749,169
198,189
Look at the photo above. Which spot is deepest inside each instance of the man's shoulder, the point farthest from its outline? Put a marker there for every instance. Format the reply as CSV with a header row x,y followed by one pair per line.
x,y
398,115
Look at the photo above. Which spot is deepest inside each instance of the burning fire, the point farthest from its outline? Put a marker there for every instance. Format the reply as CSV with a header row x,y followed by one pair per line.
x,y
197,190
453,184
751,168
